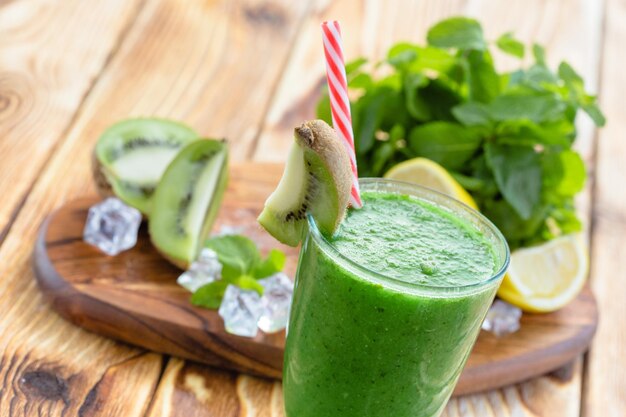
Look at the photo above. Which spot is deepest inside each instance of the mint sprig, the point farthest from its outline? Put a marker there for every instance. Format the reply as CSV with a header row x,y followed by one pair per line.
x,y
242,265
505,136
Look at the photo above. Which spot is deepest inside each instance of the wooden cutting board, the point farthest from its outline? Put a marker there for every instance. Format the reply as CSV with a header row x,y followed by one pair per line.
x,y
133,297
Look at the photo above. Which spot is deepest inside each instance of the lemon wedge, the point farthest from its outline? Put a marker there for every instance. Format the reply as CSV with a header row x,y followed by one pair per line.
x,y
423,171
546,277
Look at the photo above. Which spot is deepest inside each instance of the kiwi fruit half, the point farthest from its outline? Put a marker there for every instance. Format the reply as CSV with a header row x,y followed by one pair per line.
x,y
317,180
187,199
131,156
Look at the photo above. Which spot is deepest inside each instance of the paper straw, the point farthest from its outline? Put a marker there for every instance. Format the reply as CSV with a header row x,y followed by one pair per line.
x,y
339,102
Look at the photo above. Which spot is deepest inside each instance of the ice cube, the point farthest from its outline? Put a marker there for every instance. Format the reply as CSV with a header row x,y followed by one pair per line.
x,y
226,229
204,270
277,294
502,318
241,310
112,226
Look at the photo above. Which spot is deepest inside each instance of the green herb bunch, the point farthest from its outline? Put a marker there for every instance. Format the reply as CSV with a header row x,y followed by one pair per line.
x,y
505,137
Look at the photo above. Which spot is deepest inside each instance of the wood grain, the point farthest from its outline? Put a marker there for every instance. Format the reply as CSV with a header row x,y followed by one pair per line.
x,y
190,390
605,379
51,53
134,297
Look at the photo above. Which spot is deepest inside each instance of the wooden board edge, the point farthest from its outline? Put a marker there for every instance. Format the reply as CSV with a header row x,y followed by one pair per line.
x,y
517,370
66,299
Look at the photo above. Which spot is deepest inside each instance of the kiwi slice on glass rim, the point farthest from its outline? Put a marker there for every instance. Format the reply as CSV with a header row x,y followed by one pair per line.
x,y
317,180
187,200
131,156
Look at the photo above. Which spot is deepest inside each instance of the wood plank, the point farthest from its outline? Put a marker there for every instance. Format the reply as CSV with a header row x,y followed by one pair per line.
x,y
51,52
569,30
605,379
189,390
213,65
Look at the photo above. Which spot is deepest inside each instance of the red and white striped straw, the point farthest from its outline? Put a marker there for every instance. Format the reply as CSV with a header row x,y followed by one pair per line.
x,y
339,102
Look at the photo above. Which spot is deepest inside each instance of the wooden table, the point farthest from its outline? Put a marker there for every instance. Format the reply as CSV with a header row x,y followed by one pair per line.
x,y
249,70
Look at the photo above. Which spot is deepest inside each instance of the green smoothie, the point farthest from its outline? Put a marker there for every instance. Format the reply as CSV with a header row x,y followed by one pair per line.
x,y
386,311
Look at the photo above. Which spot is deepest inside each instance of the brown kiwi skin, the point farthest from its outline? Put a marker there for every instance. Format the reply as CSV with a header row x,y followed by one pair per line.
x,y
322,139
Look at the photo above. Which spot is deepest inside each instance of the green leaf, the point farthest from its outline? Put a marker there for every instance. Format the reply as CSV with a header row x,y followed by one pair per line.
x,y
472,114
354,66
525,132
484,84
540,54
508,44
275,262
539,75
564,173
515,229
441,98
210,295
415,104
570,76
381,157
537,108
457,32
247,282
401,55
323,109
449,144
517,170
237,254
595,113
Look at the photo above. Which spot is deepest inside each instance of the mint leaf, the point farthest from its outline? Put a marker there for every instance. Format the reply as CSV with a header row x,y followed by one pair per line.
x,y
247,282
517,170
415,104
484,83
595,113
210,295
517,231
237,254
472,114
537,108
275,262
540,54
508,44
525,132
352,67
564,173
449,144
457,32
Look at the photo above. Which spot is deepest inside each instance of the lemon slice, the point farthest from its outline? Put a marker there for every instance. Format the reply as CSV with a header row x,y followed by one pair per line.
x,y
546,277
423,171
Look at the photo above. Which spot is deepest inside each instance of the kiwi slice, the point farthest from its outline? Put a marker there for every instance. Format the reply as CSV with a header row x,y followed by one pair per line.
x,y
317,180
187,199
131,156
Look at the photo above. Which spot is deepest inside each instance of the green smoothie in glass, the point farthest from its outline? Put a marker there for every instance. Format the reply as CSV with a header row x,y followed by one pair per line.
x,y
386,311
388,298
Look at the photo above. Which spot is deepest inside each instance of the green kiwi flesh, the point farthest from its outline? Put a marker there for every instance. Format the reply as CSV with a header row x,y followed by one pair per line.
x,y
317,180
187,199
131,156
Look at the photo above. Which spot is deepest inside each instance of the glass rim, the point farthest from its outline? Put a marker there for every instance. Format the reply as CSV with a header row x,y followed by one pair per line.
x,y
450,204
